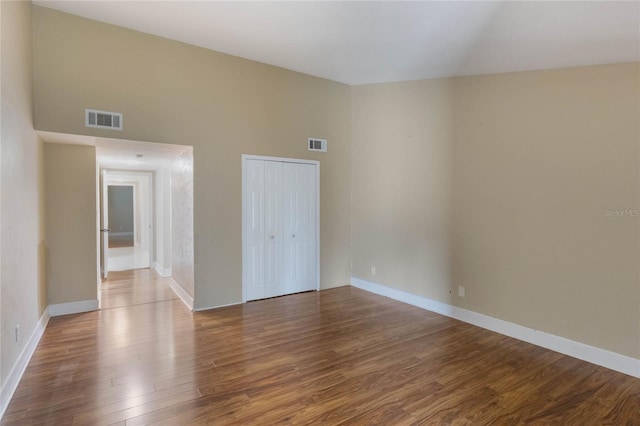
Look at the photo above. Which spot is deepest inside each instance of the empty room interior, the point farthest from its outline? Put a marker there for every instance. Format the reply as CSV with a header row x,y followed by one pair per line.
x,y
320,212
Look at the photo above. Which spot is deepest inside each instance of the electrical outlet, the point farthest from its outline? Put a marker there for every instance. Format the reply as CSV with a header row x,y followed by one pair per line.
x,y
460,291
17,332
373,271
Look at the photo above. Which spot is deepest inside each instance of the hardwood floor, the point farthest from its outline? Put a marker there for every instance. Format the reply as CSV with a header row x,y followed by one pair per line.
x,y
135,287
340,356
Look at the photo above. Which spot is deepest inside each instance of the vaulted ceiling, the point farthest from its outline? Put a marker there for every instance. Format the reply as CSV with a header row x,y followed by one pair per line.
x,y
373,42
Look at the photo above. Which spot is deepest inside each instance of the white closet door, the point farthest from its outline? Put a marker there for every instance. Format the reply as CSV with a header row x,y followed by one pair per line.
x,y
273,284
254,228
280,228
299,227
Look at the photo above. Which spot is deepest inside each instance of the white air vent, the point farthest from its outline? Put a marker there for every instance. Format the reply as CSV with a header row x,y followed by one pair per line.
x,y
103,119
317,145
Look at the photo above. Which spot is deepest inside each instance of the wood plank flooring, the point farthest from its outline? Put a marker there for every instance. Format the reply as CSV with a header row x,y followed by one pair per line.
x,y
340,356
134,287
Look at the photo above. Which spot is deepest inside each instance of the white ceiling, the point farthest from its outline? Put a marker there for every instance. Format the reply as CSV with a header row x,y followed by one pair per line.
x,y
122,154
373,42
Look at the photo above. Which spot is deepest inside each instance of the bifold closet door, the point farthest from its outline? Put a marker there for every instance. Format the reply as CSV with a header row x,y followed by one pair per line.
x,y
263,201
281,225
273,285
300,226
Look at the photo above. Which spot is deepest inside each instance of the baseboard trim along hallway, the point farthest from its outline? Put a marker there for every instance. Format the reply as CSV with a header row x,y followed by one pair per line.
x,y
161,270
182,294
15,375
73,307
13,379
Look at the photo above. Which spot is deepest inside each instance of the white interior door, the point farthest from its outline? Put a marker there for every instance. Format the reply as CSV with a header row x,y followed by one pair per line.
x,y
299,227
254,229
140,255
273,285
104,231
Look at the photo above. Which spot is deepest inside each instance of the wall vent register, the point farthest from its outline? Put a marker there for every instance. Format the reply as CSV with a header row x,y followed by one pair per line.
x,y
103,119
317,145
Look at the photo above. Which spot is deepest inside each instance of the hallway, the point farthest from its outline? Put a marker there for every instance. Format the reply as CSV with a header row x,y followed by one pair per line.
x,y
135,287
126,258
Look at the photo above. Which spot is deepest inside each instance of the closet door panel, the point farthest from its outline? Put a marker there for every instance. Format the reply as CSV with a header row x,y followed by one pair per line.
x,y
300,227
254,214
273,229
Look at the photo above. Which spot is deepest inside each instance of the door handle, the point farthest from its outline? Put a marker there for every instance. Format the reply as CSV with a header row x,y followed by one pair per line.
x,y
105,230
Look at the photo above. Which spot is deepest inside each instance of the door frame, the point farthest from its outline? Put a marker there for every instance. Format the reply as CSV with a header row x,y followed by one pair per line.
x,y
103,228
113,177
316,163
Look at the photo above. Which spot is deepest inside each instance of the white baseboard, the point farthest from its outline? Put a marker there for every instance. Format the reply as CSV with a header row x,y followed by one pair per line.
x,y
614,361
218,306
182,294
73,307
15,375
163,272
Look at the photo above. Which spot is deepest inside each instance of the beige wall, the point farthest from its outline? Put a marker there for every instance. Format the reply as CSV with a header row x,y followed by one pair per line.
x,y
401,218
22,258
534,162
70,172
221,105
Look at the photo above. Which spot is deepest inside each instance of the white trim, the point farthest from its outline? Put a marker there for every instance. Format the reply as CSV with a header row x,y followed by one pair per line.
x,y
182,294
99,235
244,158
73,307
281,159
614,361
162,271
15,375
104,224
318,226
218,306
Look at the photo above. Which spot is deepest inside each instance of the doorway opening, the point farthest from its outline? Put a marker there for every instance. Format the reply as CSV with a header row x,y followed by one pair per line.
x,y
145,194
127,220
160,178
